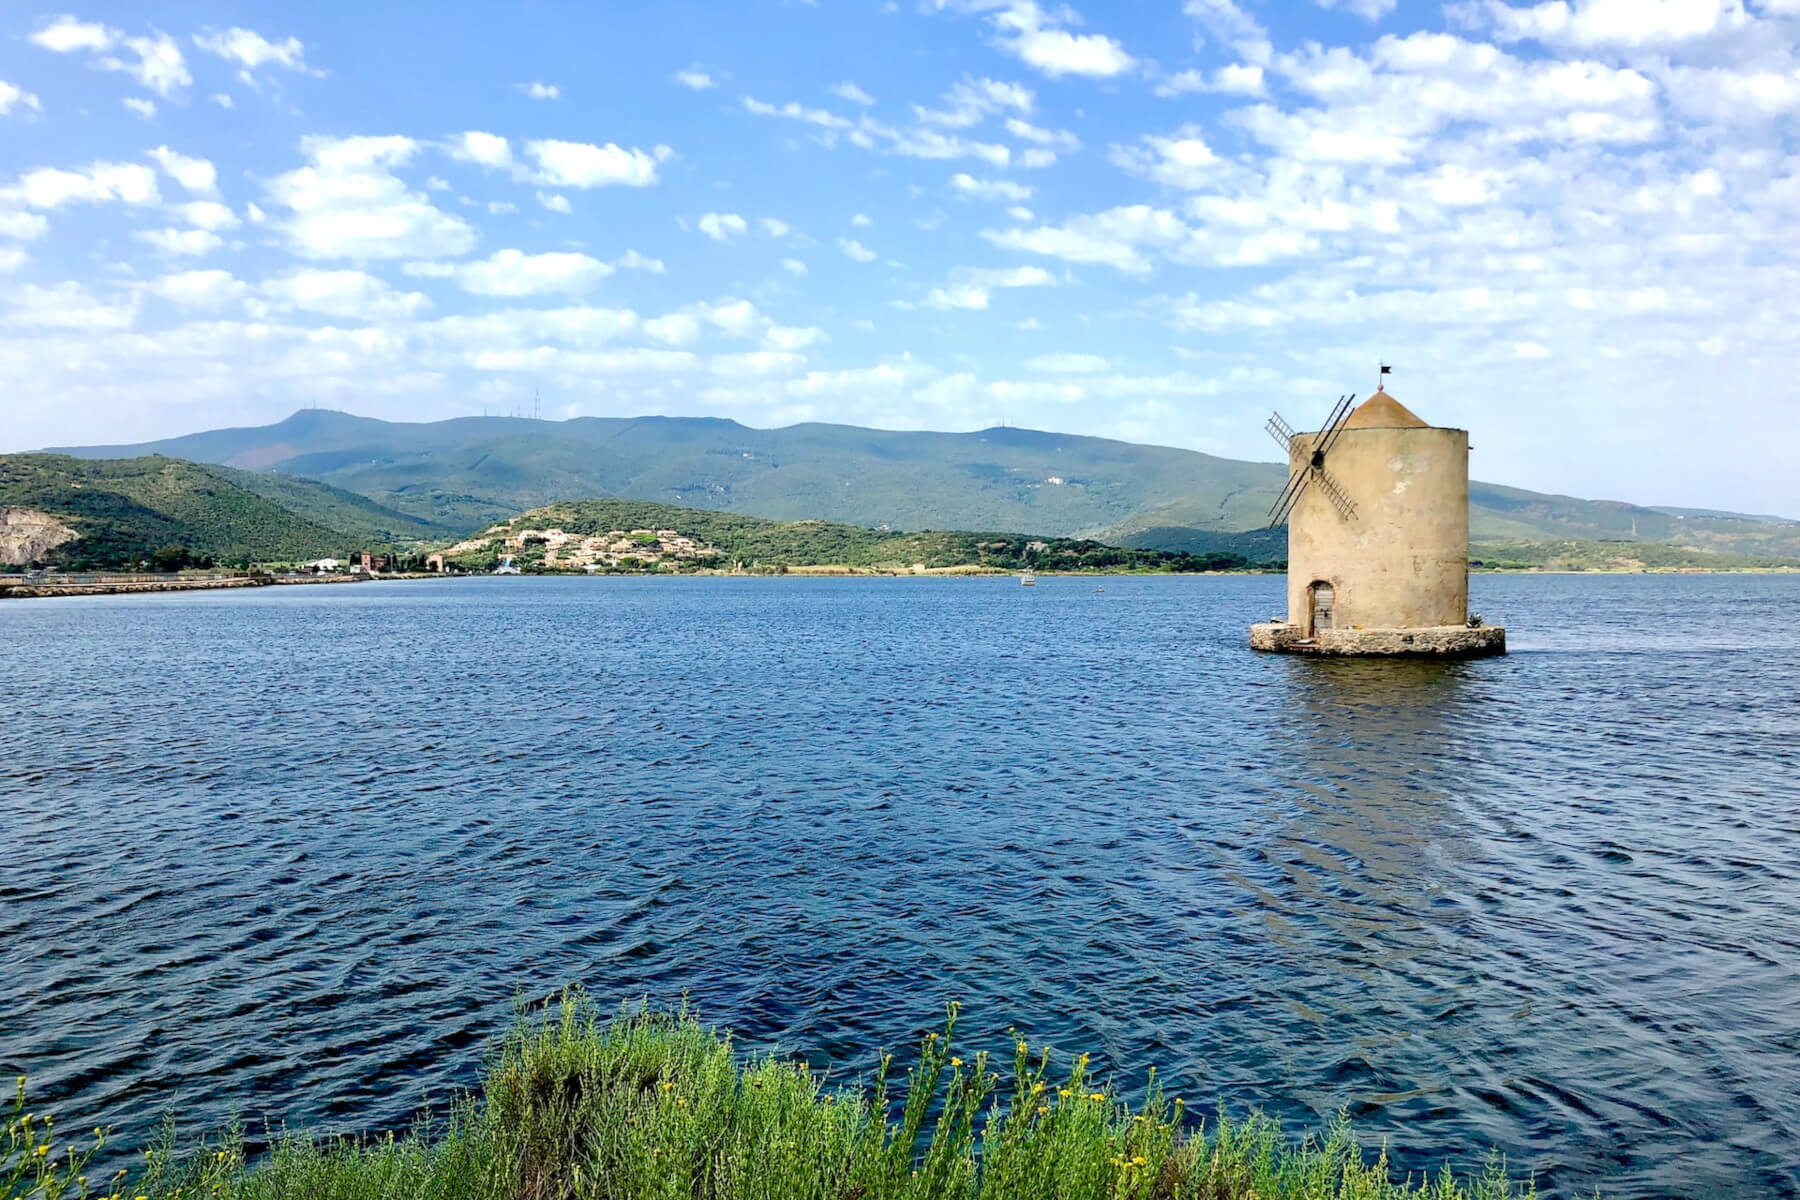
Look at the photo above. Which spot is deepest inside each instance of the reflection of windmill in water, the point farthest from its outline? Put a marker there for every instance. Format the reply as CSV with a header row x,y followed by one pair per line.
x,y
1377,510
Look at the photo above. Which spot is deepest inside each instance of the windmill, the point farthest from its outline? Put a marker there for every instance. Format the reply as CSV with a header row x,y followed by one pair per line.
x,y
1313,469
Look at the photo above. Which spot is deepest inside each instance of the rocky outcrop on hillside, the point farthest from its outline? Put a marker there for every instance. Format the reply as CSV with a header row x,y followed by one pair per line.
x,y
26,535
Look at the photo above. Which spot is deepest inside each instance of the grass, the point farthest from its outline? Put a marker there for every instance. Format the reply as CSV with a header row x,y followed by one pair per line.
x,y
649,1105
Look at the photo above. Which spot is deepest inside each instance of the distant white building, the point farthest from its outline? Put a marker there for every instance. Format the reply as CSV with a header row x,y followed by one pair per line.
x,y
324,566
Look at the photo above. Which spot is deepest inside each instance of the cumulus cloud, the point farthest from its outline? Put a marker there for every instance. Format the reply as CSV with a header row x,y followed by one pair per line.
x,y
159,65
555,202
1039,39
515,273
971,287
1233,79
775,227
65,35
348,203
990,189
200,289
356,295
180,242
584,165
539,91
856,250
722,226
849,91
250,50
96,183
12,96
139,106
695,78
483,149
793,266
196,175
69,306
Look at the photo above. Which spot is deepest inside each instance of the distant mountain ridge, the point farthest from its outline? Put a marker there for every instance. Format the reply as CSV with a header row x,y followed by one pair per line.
x,y
465,473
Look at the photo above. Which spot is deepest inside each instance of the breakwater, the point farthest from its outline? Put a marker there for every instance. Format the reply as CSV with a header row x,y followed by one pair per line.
x,y
24,587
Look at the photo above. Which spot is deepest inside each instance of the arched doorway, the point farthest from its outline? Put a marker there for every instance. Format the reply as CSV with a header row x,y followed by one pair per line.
x,y
1321,597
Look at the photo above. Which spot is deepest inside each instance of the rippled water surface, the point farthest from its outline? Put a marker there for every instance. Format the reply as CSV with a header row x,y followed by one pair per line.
x,y
294,852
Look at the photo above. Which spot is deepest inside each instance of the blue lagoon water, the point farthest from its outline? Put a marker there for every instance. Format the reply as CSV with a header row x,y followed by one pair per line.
x,y
293,853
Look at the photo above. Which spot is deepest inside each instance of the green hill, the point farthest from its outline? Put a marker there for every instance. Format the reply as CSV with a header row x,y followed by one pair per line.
x,y
119,513
707,539
466,473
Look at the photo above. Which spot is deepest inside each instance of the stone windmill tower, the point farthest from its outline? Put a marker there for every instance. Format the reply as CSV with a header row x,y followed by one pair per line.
x,y
1377,510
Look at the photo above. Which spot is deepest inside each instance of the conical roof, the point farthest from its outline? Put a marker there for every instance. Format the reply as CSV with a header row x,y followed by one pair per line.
x,y
1382,411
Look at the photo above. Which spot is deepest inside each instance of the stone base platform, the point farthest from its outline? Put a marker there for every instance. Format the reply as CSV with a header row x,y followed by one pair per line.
x,y
1436,641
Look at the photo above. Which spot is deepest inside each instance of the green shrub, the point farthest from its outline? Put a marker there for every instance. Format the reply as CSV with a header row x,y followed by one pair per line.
x,y
652,1105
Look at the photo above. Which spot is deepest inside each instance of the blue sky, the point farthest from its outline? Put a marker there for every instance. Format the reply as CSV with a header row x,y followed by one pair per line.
x,y
1573,226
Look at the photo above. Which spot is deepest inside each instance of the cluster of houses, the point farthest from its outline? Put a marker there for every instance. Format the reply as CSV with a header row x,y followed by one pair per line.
x,y
629,549
615,548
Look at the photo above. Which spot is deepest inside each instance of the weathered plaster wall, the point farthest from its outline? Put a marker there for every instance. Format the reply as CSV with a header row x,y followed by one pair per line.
x,y
1403,561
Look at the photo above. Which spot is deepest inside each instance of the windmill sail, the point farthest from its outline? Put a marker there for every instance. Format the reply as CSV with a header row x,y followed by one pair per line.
x,y
1302,475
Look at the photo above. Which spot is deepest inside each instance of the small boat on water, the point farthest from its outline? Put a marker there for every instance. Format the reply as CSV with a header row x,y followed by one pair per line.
x,y
1028,580
506,567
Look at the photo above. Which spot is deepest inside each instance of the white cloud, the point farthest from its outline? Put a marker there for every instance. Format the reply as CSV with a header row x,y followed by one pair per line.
x,y
555,202
539,91
631,260
12,260
971,287
583,165
1038,39
11,96
1234,27
787,337
1056,139
68,306
97,183
775,227
695,78
795,111
159,66
856,250
197,175
1233,79
497,207
1628,23
140,106
181,242
721,226
65,34
250,50
223,100
348,203
207,214
200,289
485,149
1019,212
971,101
861,220
990,189
515,273
24,226
793,266
349,294
849,91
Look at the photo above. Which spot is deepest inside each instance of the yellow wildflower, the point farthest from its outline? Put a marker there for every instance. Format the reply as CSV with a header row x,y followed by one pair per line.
x,y
956,1062
1097,1096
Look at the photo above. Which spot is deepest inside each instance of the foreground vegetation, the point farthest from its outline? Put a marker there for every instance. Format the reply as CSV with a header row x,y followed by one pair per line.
x,y
653,1105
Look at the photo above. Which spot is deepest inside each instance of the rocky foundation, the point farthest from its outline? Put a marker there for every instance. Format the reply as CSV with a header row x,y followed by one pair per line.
x,y
1437,641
